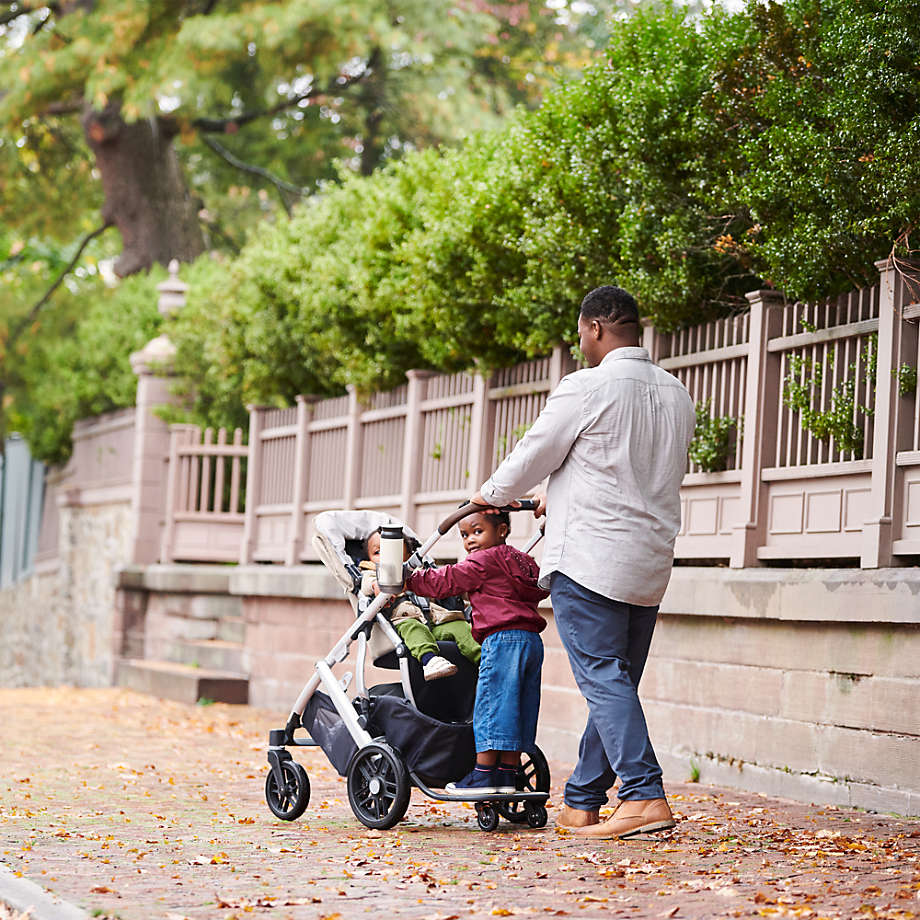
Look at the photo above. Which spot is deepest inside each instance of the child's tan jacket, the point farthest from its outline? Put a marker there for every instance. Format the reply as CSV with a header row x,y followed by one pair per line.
x,y
401,608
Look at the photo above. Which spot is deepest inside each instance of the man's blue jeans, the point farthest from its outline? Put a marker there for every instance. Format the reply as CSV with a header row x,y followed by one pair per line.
x,y
607,643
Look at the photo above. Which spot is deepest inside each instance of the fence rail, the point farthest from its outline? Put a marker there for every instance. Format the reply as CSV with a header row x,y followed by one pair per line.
x,y
821,460
204,497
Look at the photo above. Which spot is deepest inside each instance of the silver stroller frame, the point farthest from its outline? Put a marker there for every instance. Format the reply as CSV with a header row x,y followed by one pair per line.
x,y
287,785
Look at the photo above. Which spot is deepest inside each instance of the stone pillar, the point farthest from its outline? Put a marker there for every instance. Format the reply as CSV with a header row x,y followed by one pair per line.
x,y
153,367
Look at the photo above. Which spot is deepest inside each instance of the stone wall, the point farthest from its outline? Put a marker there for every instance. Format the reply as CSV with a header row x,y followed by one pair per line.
x,y
58,625
799,683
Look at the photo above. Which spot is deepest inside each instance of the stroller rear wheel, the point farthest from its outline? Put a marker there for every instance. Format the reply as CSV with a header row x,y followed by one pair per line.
x,y
378,786
533,776
288,801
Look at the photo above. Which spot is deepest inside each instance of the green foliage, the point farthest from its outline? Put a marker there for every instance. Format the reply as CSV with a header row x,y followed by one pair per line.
x,y
86,371
906,376
713,443
802,388
823,99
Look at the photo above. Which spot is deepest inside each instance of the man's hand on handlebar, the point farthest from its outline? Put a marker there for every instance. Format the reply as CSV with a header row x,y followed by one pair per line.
x,y
489,508
537,502
540,499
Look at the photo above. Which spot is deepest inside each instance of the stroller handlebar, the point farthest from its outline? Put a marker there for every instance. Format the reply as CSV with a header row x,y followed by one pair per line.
x,y
525,504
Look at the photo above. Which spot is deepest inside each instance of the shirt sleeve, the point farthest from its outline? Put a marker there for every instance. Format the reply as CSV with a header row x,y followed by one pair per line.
x,y
543,448
449,579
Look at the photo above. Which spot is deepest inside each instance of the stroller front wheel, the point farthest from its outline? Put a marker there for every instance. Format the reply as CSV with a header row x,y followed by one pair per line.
x,y
290,800
378,786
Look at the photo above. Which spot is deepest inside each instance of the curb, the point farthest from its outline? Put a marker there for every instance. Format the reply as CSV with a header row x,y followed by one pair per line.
x,y
23,895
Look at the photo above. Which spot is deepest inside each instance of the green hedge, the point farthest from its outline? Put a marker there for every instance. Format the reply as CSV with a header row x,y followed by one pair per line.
x,y
706,157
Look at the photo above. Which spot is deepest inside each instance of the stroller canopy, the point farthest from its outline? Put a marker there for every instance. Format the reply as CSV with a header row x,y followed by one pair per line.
x,y
335,530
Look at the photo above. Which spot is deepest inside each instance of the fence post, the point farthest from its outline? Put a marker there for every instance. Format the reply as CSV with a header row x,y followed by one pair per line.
x,y
560,364
301,477
353,448
178,435
761,413
482,429
253,481
409,485
888,421
651,339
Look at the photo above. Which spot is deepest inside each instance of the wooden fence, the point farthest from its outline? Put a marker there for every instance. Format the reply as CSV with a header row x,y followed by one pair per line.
x,y
820,455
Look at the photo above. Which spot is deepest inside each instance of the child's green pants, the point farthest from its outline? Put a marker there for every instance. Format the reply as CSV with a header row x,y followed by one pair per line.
x,y
420,638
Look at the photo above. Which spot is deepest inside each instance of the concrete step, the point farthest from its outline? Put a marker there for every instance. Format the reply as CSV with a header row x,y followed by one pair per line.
x,y
211,654
231,629
181,682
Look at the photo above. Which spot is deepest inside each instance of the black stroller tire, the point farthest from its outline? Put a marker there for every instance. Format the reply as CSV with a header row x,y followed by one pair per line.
x,y
536,779
288,803
487,816
378,786
535,814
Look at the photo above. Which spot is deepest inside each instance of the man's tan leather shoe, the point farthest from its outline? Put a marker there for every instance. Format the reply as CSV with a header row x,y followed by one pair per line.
x,y
636,816
576,817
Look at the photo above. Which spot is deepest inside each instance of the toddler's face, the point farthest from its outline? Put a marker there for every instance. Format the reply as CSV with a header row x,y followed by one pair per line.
x,y
480,531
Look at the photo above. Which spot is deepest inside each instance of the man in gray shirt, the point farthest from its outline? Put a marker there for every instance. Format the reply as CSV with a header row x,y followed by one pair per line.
x,y
613,440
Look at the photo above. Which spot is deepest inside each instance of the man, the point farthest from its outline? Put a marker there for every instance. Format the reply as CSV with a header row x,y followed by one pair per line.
x,y
613,440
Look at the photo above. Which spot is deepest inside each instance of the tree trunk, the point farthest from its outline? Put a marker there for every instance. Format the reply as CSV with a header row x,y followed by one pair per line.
x,y
145,192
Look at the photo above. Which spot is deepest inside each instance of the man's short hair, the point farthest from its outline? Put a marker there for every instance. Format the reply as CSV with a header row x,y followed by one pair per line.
x,y
611,303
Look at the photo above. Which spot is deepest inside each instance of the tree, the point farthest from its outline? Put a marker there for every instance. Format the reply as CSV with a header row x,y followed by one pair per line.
x,y
270,77
184,123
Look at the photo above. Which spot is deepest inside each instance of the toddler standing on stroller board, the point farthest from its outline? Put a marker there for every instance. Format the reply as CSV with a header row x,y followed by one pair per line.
x,y
501,582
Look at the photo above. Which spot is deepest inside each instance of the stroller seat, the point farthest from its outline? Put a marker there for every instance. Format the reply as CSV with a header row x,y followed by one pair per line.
x,y
449,699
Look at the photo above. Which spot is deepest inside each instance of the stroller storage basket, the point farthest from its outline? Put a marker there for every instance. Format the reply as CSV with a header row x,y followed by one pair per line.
x,y
437,752
326,728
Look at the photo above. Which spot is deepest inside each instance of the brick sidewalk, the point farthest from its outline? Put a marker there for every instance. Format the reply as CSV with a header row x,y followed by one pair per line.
x,y
139,808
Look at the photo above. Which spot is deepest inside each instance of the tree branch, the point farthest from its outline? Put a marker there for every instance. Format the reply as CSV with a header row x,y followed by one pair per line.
x,y
221,125
235,161
33,312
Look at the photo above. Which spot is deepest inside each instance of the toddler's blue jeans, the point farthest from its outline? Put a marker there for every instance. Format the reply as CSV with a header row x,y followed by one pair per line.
x,y
508,692
607,643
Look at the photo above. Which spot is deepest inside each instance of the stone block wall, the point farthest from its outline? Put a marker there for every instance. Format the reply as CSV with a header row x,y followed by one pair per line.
x,y
59,625
806,686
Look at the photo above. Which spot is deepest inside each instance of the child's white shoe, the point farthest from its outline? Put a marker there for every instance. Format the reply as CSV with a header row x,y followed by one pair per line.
x,y
438,667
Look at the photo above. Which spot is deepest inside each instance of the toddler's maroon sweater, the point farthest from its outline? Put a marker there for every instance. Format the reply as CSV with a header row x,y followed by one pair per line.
x,y
501,582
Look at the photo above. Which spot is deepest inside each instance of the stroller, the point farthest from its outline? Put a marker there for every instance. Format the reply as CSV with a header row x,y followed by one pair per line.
x,y
393,736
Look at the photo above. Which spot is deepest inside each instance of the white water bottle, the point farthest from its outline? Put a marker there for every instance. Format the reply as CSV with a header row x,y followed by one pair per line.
x,y
390,567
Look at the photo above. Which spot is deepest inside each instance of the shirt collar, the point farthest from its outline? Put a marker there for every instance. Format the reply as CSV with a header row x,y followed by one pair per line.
x,y
636,352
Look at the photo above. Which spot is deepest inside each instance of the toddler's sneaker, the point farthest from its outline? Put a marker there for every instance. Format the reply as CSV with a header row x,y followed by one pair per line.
x,y
506,780
479,781
438,667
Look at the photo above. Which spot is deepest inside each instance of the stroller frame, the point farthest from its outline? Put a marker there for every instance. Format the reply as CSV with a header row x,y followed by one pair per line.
x,y
378,780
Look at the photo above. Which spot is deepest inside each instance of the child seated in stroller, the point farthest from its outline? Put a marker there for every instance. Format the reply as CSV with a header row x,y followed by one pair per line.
x,y
501,582
413,626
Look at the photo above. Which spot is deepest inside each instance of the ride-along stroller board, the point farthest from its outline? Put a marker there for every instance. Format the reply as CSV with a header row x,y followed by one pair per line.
x,y
390,737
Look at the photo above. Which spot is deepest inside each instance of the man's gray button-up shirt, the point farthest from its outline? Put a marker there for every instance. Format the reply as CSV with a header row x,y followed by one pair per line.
x,y
613,440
